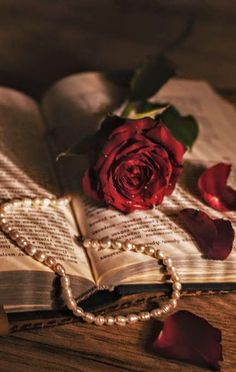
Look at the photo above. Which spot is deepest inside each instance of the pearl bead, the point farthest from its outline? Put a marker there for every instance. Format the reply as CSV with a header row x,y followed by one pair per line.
x,y
78,311
39,256
95,244
143,316
14,234
30,250
127,246
132,318
166,308
156,313
67,292
171,270
106,243
50,261
173,303
6,228
140,248
120,320
59,269
65,281
37,203
116,244
21,242
70,303
176,295
160,255
149,250
16,203
67,199
3,221
89,317
167,262
6,207
177,286
175,277
87,243
61,202
99,320
46,202
110,320
53,202
27,202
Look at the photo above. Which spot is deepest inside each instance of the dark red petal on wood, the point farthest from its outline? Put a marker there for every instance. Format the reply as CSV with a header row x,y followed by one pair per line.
x,y
215,237
188,337
213,188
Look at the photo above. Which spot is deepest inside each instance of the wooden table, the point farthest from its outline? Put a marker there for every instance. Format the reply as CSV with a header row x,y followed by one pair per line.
x,y
82,347
42,41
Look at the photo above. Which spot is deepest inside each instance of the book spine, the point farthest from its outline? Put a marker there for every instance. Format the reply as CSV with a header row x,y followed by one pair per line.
x,y
149,300
126,302
4,324
26,325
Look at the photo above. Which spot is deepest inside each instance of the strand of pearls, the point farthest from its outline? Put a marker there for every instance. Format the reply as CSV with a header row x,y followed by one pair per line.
x,y
106,243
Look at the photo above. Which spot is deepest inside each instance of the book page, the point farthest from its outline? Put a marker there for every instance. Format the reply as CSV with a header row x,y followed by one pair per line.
x,y
71,98
26,171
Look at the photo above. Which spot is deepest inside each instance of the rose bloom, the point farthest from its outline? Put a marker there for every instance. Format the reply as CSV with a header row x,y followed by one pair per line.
x,y
134,164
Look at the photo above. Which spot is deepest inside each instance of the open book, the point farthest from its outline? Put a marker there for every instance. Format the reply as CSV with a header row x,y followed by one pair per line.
x,y
33,134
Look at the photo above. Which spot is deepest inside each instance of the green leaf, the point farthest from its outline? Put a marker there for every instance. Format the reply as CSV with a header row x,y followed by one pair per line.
x,y
143,109
129,109
150,113
183,128
150,77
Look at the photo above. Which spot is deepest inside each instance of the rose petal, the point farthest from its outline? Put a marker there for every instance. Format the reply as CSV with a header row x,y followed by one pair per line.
x,y
174,177
188,337
161,133
145,151
133,127
133,166
88,181
215,237
213,188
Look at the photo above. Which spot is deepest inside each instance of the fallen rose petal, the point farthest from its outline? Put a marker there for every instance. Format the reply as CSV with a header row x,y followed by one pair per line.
x,y
215,237
213,188
188,337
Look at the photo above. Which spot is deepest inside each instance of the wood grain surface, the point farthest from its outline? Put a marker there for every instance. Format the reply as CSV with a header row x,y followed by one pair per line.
x,y
41,41
82,347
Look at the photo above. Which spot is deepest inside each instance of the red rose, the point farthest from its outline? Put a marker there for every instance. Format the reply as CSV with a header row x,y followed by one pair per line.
x,y
135,163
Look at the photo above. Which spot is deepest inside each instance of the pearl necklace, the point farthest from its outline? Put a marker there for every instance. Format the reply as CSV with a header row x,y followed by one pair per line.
x,y
88,243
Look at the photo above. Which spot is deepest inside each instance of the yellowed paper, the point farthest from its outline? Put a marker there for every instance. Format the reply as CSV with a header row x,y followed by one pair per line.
x,y
26,171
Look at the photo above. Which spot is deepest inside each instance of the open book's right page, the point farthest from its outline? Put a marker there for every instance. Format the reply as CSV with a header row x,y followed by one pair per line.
x,y
159,226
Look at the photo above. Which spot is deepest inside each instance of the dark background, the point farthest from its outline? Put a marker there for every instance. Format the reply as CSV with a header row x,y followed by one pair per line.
x,y
42,40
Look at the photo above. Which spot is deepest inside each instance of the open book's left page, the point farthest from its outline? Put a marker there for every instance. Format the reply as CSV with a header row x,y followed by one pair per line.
x,y
26,171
